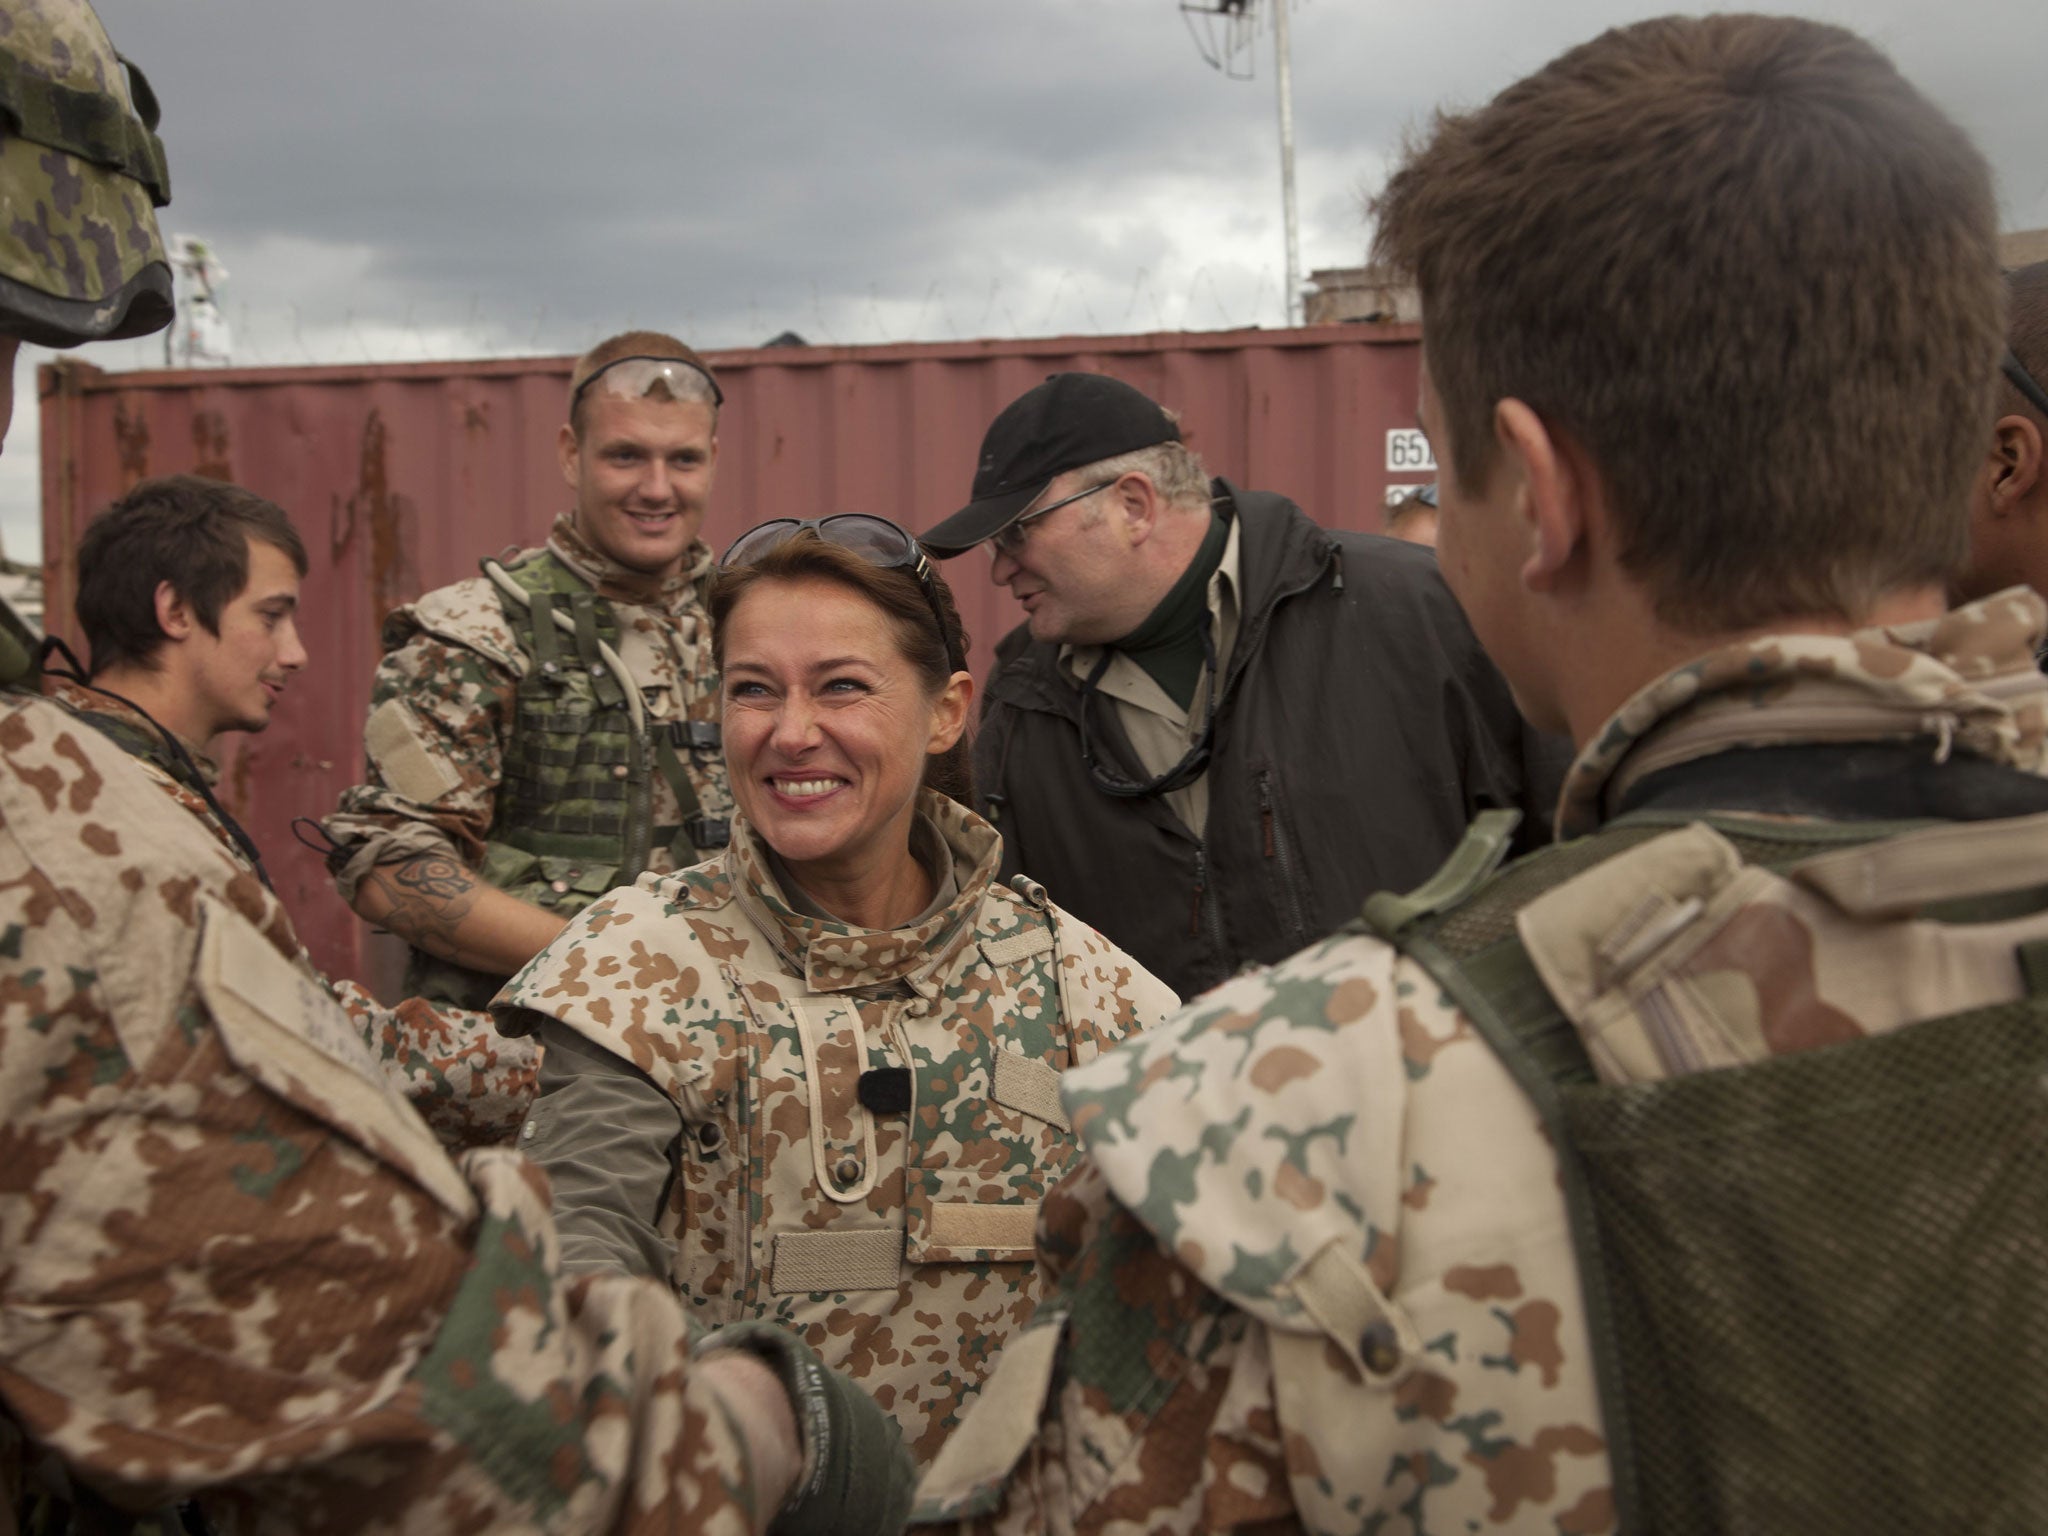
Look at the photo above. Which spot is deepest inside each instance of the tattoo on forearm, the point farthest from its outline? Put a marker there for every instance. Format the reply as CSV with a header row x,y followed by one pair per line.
x,y
430,897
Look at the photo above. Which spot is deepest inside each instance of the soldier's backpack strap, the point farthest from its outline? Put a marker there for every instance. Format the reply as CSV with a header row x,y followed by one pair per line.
x,y
1630,1158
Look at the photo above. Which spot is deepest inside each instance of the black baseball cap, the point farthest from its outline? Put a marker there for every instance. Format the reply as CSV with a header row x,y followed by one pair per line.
x,y
1070,420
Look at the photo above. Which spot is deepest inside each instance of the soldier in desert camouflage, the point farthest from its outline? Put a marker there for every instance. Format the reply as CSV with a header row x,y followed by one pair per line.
x,y
547,731
1316,1270
187,597
816,1080
234,1264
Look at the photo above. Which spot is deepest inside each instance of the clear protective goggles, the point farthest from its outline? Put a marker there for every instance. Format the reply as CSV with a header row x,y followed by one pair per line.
x,y
633,378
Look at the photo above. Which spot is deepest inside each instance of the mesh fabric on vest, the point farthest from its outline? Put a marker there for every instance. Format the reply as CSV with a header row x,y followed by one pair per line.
x,y
1820,1282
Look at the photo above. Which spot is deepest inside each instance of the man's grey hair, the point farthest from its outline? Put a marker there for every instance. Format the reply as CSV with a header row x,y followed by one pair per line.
x,y
1174,469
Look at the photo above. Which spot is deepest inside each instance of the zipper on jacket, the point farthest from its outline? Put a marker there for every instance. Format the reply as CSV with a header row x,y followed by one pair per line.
x,y
1277,850
1205,921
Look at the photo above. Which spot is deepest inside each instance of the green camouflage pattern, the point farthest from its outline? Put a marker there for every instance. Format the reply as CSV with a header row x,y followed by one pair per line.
x,y
758,1021
233,1261
561,771
1332,1222
69,227
451,672
471,1084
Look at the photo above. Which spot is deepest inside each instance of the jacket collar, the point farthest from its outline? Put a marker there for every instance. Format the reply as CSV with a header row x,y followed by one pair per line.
x,y
1967,680
567,544
131,730
835,958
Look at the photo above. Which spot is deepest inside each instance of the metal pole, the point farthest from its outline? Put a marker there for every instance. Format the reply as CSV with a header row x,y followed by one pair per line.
x,y
1284,73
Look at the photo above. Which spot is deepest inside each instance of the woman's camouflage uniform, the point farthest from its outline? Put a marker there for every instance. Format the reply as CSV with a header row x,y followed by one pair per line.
x,y
886,1214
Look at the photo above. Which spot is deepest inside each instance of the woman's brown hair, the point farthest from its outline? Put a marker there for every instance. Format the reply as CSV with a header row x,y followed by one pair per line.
x,y
901,599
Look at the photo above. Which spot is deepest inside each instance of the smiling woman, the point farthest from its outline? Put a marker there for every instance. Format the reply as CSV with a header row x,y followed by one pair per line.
x,y
817,1078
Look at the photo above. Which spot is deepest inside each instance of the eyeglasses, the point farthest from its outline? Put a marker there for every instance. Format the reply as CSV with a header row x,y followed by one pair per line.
x,y
1010,538
875,539
2024,381
630,378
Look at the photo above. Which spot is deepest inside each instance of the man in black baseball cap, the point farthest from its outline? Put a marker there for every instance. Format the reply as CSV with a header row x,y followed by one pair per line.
x,y
1220,727
1070,420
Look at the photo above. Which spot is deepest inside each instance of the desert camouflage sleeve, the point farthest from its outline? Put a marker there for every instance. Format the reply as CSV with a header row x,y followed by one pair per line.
x,y
471,1084
233,1261
1151,1398
434,744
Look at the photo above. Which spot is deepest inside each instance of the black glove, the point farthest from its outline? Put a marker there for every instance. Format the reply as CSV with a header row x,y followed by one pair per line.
x,y
857,1478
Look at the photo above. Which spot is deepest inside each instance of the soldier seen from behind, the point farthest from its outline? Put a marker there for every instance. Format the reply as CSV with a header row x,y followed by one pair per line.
x,y
236,1268
1690,1175
816,1079
547,731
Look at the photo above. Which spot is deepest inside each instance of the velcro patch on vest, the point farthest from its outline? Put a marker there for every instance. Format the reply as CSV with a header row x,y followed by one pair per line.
x,y
836,1261
283,1028
395,745
1029,1086
996,1231
1013,949
970,1469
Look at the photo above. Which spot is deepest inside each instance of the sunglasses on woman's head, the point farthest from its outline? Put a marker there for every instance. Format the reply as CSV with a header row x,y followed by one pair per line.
x,y
875,539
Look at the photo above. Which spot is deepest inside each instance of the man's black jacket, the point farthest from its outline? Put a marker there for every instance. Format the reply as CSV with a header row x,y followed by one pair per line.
x,y
1359,730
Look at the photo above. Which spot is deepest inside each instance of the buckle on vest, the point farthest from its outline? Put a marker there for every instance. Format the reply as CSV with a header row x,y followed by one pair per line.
x,y
697,735
709,831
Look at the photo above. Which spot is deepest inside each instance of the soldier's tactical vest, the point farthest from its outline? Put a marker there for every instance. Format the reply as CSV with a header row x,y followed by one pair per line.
x,y
1816,1284
574,813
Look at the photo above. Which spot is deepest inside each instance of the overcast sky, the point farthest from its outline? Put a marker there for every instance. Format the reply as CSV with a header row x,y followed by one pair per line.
x,y
409,179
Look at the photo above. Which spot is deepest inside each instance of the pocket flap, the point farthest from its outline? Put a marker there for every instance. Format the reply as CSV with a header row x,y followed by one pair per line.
x,y
284,1028
1029,1086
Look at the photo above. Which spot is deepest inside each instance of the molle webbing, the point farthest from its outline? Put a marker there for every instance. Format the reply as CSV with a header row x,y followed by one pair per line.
x,y
1815,1283
577,777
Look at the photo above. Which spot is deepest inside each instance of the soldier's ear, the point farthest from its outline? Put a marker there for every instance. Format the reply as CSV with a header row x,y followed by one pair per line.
x,y
570,451
1549,502
174,616
2016,468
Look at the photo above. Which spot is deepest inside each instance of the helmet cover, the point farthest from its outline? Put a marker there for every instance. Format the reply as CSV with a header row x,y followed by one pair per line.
x,y
81,175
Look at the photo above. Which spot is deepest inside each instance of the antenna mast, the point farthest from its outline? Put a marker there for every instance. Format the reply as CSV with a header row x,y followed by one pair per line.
x,y
1224,36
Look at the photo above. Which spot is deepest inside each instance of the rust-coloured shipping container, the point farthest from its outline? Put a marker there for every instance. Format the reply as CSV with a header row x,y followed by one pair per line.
x,y
400,476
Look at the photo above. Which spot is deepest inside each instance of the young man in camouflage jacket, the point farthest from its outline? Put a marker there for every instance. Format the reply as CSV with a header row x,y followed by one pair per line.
x,y
187,598
1712,316
548,730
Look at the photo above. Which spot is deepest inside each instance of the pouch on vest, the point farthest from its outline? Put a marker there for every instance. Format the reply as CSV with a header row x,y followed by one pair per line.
x,y
1794,1073
993,1121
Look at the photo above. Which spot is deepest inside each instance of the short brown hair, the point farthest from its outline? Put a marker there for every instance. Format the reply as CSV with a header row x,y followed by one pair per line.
x,y
926,646
1751,271
191,532
636,344
2026,331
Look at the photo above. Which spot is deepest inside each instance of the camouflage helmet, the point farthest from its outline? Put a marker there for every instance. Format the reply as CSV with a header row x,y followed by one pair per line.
x,y
81,175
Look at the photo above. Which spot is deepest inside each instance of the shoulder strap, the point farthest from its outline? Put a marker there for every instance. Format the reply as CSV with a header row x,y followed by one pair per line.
x,y
1460,927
